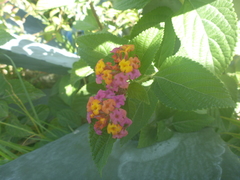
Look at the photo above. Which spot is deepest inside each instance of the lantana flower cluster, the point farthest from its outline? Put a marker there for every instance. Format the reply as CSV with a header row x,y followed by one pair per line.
x,y
105,106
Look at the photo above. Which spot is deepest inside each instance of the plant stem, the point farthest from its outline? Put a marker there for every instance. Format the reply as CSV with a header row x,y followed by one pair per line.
x,y
95,15
146,78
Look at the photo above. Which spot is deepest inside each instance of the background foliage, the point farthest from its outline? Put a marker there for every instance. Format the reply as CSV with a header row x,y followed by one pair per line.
x,y
190,76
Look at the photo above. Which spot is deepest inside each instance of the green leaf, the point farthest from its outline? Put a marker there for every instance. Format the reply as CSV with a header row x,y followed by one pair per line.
x,y
93,47
154,132
89,22
221,124
233,121
101,147
186,85
163,132
90,57
146,45
14,146
3,109
163,112
2,85
137,91
141,116
93,87
59,37
80,70
207,30
235,135
234,144
150,19
15,129
101,42
42,111
131,107
190,121
4,37
68,118
168,44
48,36
14,92
232,85
148,136
56,104
174,5
66,89
129,4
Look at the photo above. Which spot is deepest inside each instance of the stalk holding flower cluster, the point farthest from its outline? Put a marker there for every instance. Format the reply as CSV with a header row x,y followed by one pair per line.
x,y
105,106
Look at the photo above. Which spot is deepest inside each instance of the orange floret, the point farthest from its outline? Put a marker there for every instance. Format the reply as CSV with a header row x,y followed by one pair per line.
x,y
89,104
107,76
101,123
135,62
127,48
108,105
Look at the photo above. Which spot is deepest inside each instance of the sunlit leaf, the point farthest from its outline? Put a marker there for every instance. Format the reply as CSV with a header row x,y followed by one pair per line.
x,y
80,70
93,47
168,44
137,91
207,30
66,89
150,19
146,46
186,85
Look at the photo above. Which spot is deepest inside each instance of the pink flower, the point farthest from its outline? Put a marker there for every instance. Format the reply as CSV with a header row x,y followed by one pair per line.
x,y
116,116
88,117
123,112
121,80
120,100
116,50
134,74
109,94
100,95
126,122
97,130
113,86
99,79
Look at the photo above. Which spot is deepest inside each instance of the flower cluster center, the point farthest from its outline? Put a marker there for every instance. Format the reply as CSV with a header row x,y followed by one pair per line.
x,y
105,106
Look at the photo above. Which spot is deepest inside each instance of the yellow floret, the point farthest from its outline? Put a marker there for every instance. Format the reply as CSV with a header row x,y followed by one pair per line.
x,y
125,66
114,128
96,107
99,67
